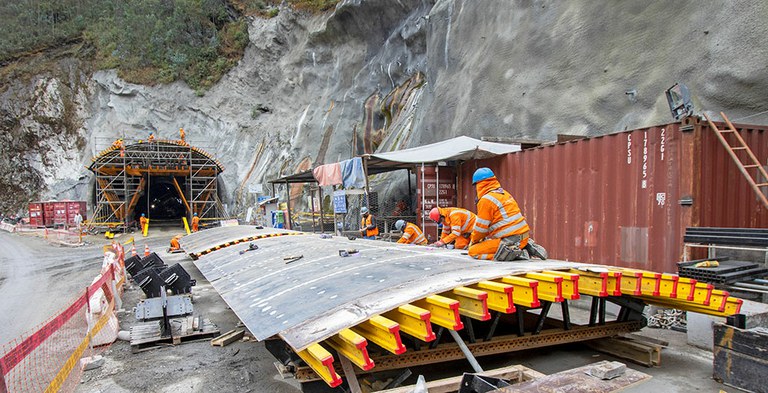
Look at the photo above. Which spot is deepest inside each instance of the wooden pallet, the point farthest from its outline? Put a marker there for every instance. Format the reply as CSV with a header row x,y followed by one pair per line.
x,y
148,335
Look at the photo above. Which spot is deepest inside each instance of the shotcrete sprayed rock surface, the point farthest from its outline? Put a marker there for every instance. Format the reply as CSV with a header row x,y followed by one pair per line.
x,y
379,75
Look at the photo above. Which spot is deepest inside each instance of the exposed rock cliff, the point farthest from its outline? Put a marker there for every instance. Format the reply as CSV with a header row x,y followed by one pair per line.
x,y
385,74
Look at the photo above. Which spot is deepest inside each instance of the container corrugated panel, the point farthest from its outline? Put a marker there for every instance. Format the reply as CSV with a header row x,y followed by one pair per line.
x,y
48,209
725,198
59,212
74,207
36,214
620,199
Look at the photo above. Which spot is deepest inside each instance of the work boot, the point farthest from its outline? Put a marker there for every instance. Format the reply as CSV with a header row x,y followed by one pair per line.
x,y
536,250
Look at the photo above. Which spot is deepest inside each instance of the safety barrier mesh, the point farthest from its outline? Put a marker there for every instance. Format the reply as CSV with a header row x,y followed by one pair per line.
x,y
48,357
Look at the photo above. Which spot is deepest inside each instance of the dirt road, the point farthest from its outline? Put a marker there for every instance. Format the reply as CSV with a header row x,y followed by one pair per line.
x,y
38,279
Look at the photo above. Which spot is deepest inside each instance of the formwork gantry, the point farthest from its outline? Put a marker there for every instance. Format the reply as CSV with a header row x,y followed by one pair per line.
x,y
124,172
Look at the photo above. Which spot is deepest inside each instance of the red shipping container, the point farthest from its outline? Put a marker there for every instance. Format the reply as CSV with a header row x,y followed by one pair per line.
x,y
48,210
59,213
36,214
441,178
625,199
74,207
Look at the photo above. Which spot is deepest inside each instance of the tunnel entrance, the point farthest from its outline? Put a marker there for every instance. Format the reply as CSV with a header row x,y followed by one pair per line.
x,y
162,202
165,180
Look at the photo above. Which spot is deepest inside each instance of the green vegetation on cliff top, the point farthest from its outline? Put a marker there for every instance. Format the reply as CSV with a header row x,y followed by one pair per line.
x,y
147,41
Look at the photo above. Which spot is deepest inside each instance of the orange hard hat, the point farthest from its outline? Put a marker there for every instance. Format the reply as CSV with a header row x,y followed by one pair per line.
x,y
434,214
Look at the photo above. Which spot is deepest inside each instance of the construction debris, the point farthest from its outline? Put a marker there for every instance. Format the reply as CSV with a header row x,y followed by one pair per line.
x,y
228,337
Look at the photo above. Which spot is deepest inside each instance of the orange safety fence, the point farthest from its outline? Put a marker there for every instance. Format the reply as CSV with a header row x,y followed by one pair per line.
x,y
67,236
47,359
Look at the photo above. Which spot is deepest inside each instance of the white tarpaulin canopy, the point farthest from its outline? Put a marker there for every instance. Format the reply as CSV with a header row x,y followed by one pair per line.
x,y
457,149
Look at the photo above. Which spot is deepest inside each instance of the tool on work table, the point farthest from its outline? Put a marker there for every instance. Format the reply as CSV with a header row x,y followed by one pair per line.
x,y
251,247
707,264
292,258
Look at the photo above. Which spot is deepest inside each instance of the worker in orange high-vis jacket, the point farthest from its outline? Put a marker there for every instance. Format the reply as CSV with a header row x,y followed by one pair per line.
x,y
143,221
412,234
501,232
457,226
175,243
195,223
368,228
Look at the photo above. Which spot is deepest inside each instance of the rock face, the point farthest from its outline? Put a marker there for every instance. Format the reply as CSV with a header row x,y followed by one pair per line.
x,y
385,74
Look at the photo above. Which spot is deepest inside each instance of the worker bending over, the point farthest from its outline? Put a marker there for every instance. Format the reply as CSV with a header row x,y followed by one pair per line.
x,y
175,246
501,232
412,234
457,225
195,223
368,228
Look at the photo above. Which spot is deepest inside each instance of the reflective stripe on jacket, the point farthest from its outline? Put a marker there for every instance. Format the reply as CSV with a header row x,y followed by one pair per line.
x,y
457,222
412,235
368,221
498,214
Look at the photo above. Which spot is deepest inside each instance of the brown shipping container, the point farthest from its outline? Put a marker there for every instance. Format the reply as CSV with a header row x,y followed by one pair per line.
x,y
48,213
625,199
74,207
441,178
59,213
36,214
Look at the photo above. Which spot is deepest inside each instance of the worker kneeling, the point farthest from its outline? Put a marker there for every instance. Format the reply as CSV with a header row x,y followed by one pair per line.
x,y
175,246
412,234
501,232
457,226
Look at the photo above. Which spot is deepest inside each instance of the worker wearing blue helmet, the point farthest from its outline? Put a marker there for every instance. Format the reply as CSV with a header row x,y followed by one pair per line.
x,y
501,232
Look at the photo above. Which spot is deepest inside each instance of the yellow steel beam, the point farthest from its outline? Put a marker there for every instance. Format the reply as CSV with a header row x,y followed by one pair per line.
x,y
614,283
352,346
526,291
382,331
668,285
550,286
570,283
414,321
718,299
445,311
500,296
686,288
702,293
321,362
473,303
593,283
640,282
732,305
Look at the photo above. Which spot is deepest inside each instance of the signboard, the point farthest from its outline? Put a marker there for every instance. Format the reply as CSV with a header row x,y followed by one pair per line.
x,y
339,201
255,188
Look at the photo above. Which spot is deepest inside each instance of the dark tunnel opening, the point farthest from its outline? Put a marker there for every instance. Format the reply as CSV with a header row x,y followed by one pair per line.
x,y
162,201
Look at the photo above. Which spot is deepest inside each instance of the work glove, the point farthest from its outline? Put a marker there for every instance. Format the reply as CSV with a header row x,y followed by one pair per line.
x,y
438,244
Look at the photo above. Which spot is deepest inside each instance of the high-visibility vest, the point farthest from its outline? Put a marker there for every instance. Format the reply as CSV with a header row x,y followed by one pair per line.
x,y
457,222
498,214
366,222
412,235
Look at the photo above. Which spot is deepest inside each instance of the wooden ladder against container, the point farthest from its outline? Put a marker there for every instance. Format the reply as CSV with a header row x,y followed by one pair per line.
x,y
750,162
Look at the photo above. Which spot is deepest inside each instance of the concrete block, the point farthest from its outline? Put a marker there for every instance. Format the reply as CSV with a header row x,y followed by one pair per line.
x,y
608,370
92,362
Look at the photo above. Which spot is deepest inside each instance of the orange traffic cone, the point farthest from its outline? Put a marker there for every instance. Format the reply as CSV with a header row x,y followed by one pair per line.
x,y
146,250
133,251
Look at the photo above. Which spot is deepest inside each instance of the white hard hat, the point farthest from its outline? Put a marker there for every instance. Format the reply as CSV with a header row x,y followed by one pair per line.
x,y
363,210
399,225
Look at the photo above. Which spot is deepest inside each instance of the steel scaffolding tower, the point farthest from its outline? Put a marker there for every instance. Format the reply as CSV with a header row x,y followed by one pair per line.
x,y
124,172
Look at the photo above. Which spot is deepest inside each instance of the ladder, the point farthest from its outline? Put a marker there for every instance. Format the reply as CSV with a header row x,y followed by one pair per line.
x,y
750,163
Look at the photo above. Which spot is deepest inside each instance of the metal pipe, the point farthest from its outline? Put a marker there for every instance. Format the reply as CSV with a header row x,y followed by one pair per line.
x,y
322,217
423,198
472,361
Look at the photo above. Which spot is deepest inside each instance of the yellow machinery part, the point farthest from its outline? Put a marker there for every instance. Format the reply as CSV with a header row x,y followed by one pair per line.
x,y
473,303
500,296
321,362
445,311
570,283
526,291
382,331
352,346
550,286
414,321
